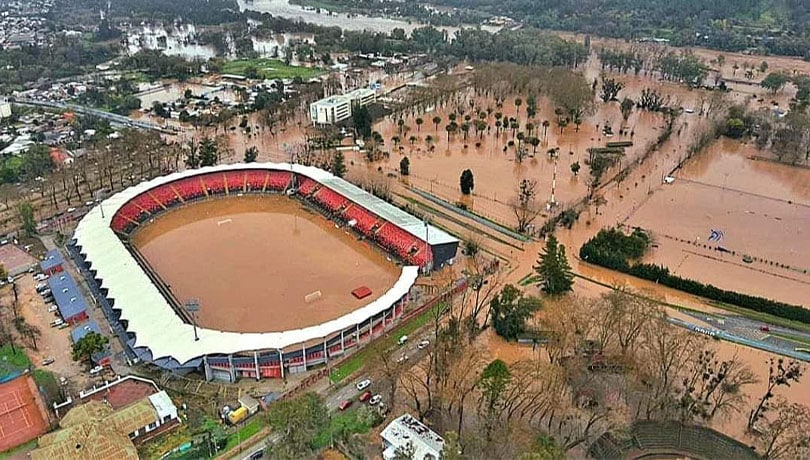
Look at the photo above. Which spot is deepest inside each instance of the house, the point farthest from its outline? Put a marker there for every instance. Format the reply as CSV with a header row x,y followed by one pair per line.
x,y
69,300
406,430
52,263
95,430
102,358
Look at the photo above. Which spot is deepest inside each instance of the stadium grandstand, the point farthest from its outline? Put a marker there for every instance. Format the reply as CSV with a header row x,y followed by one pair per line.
x,y
156,329
669,439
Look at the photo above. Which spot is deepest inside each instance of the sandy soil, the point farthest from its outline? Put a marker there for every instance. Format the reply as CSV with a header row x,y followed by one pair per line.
x,y
250,261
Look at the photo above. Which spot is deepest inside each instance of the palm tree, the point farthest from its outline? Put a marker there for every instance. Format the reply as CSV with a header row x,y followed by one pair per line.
x,y
437,120
419,122
529,128
451,128
518,103
546,124
412,140
465,128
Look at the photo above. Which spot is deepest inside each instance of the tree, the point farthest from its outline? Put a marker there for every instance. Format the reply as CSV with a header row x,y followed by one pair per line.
x,y
544,448
775,81
780,373
784,434
467,182
92,343
610,89
419,122
208,152
251,154
361,120
509,311
493,383
553,272
575,168
525,205
296,421
626,106
437,120
404,166
338,164
27,220
763,67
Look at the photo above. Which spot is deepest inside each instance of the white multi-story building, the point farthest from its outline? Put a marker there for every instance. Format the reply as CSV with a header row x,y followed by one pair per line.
x,y
406,433
335,109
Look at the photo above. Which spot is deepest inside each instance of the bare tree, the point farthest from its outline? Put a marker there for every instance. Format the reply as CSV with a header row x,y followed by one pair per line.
x,y
525,205
784,435
780,373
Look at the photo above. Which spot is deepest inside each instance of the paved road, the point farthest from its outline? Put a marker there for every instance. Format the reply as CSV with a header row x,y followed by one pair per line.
x,y
334,395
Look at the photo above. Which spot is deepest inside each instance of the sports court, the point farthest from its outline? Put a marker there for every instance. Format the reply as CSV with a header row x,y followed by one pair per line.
x,y
14,259
262,264
22,415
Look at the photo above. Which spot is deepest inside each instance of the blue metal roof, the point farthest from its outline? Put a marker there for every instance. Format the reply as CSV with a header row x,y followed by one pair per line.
x,y
52,259
82,330
69,299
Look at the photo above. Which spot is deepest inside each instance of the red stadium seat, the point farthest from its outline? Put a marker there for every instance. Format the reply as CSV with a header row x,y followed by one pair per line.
x,y
255,180
330,199
235,181
189,188
214,183
365,220
279,180
165,195
306,186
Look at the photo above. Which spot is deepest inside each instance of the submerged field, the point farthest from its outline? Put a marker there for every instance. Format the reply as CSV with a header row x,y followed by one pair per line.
x,y
252,261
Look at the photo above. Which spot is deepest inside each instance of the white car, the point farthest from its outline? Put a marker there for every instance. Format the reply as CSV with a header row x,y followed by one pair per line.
x,y
96,370
40,277
57,322
375,400
402,358
363,384
423,344
52,308
402,340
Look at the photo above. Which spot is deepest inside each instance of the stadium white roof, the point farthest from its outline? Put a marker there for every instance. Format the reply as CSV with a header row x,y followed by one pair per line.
x,y
150,316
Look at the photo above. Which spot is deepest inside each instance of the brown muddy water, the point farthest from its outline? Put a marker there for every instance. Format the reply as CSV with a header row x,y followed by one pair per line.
x,y
250,261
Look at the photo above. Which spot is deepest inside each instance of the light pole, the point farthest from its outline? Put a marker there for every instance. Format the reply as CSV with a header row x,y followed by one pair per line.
x,y
192,306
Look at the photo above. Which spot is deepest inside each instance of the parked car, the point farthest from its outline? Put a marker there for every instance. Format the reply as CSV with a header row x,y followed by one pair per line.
x,y
402,358
96,370
365,396
765,329
52,308
41,287
57,322
46,292
363,384
375,400
423,344
402,340
40,277
47,361
345,404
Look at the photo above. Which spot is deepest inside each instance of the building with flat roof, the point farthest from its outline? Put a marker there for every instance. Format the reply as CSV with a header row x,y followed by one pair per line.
x,y
335,109
52,263
69,300
406,430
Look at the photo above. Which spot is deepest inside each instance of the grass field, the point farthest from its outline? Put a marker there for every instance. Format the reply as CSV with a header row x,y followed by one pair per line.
x,y
357,360
245,431
17,452
11,361
268,69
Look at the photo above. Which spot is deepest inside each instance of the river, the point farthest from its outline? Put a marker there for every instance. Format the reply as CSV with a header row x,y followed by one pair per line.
x,y
283,8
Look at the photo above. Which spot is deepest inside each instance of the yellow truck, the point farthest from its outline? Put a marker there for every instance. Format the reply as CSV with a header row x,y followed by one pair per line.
x,y
236,416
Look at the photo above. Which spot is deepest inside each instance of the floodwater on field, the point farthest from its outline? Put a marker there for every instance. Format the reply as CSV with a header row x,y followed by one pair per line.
x,y
251,261
760,208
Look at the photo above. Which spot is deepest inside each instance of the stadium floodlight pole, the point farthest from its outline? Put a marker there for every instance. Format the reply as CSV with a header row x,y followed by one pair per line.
x,y
192,306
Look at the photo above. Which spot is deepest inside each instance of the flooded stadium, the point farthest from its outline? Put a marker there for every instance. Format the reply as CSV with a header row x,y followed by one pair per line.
x,y
262,264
